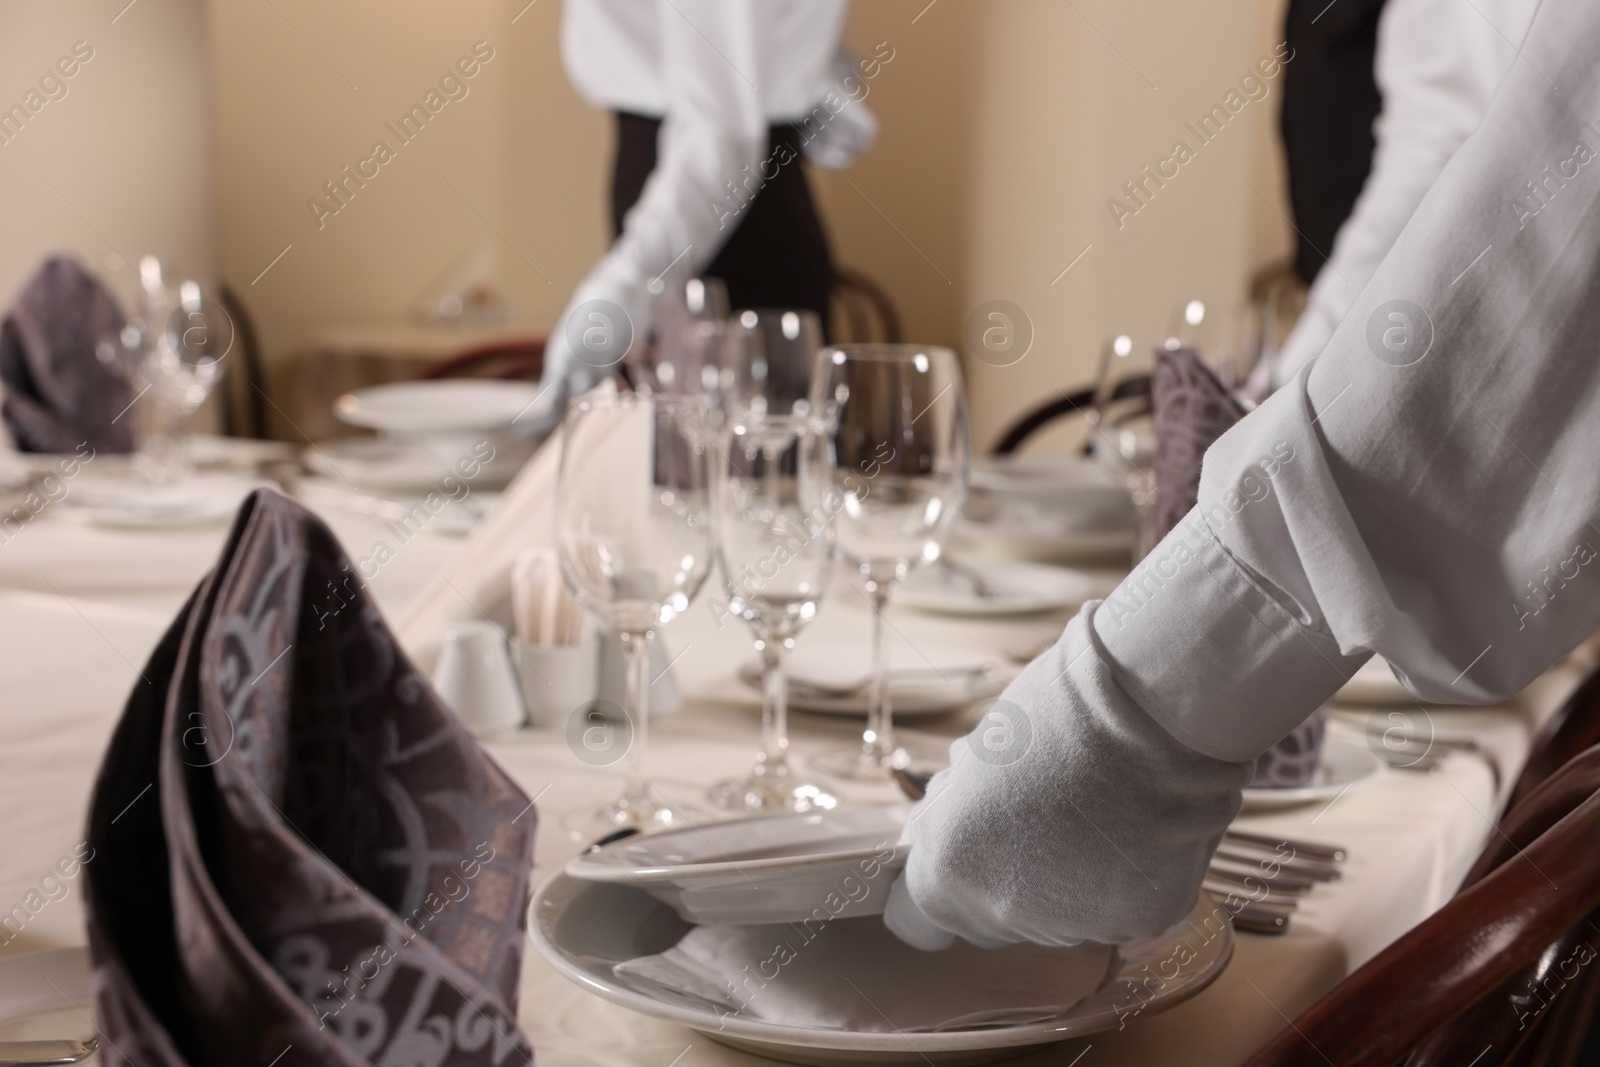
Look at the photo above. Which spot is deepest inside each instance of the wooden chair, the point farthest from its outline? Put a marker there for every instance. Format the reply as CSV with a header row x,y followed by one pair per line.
x,y
1574,727
862,303
1131,393
1499,975
505,360
243,414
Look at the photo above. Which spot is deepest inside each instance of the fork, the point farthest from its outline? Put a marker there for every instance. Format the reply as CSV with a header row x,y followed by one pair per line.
x,y
40,1053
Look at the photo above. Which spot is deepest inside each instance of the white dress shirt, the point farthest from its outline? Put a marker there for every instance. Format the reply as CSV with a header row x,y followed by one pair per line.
x,y
718,73
1437,64
1427,489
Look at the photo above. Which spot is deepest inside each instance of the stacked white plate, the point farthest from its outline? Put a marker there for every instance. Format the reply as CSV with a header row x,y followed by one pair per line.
x,y
661,924
1046,508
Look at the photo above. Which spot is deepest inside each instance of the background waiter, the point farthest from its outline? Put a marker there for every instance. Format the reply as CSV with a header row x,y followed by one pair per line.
x,y
716,102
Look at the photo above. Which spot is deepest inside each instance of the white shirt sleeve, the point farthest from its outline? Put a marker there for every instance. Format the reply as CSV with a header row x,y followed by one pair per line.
x,y
712,145
1437,65
1425,490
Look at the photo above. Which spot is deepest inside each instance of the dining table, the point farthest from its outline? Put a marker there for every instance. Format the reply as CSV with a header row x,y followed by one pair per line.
x,y
83,606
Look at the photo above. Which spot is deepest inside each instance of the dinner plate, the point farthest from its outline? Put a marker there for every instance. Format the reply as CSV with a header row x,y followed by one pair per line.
x,y
1346,762
1013,588
419,463
768,869
455,405
130,504
834,679
1374,683
585,929
45,996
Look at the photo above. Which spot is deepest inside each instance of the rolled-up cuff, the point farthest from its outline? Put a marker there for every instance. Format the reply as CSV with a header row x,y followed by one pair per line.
x,y
1213,653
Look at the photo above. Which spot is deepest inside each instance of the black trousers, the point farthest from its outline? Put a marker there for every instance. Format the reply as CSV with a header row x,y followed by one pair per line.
x,y
777,255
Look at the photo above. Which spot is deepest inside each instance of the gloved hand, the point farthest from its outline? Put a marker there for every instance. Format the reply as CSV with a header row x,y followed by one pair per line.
x,y
608,317
834,144
1067,815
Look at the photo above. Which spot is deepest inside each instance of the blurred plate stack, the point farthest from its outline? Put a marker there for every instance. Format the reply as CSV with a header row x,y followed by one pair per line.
x,y
1051,509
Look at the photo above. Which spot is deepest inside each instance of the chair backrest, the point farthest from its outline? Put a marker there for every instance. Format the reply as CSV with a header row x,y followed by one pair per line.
x,y
243,413
1531,893
1574,727
862,310
1077,402
520,359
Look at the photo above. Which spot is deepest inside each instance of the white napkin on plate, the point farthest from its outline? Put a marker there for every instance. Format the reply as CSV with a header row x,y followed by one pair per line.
x,y
853,974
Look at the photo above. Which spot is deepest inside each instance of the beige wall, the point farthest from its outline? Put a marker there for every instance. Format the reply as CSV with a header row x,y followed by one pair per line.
x,y
122,161
1007,124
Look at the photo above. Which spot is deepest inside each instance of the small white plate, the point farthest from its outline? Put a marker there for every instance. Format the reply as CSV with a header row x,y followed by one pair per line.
x,y
585,929
1015,588
1346,762
45,996
923,681
1374,684
128,504
418,464
769,869
451,406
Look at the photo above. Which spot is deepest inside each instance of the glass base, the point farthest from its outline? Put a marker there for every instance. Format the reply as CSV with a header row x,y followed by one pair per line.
x,y
644,813
770,793
856,764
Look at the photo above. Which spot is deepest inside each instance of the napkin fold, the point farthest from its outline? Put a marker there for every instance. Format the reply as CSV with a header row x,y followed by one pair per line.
x,y
853,974
63,387
299,850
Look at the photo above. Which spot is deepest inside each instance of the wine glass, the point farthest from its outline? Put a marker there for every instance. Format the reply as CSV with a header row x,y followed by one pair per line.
x,y
768,359
634,535
774,525
897,416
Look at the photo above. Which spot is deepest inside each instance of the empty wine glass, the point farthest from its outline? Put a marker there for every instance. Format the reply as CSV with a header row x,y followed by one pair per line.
x,y
774,504
897,417
634,534
768,359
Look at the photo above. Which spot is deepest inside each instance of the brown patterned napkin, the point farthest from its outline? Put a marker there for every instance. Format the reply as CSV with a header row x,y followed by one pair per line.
x,y
59,392
300,852
1192,409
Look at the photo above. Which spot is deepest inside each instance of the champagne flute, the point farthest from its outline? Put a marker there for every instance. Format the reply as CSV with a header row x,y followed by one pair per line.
x,y
774,525
634,535
897,415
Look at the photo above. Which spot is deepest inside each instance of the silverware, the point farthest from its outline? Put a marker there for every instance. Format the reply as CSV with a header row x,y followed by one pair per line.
x,y
34,1053
913,784
981,587
612,837
1316,870
1316,850
1278,900
1260,919
801,689
1253,878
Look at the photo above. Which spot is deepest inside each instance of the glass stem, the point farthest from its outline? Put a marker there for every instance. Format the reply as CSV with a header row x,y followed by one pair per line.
x,y
878,742
636,647
774,757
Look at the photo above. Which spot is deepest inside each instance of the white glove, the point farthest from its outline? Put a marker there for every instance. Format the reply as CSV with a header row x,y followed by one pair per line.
x,y
608,317
848,132
1067,815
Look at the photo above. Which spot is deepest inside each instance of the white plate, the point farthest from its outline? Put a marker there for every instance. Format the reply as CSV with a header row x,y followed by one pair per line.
x,y
128,504
418,464
1374,683
1016,588
1011,541
584,929
769,869
451,406
916,687
31,1010
1346,762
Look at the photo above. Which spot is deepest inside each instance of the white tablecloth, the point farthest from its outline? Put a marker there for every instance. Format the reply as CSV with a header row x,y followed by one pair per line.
x,y
80,609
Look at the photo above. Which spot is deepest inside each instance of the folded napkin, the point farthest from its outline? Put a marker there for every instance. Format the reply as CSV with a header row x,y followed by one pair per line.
x,y
300,853
62,385
853,974
1192,409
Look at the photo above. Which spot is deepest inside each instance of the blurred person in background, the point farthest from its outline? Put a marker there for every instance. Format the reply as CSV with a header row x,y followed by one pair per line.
x,y
1436,65
716,103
